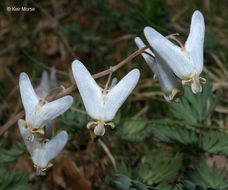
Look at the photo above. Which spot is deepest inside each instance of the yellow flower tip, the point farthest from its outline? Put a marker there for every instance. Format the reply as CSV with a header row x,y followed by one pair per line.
x,y
202,80
45,168
98,128
111,124
194,82
90,124
23,122
41,131
174,94
187,81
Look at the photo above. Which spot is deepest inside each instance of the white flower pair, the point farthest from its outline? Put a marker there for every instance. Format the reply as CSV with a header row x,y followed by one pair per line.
x,y
43,151
38,113
102,104
185,62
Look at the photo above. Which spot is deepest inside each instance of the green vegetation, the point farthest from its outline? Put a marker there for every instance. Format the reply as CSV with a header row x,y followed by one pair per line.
x,y
155,145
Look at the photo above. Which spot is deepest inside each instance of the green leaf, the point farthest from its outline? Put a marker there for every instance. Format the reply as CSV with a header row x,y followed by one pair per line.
x,y
13,179
10,155
160,167
174,134
216,143
201,175
134,131
123,169
76,118
124,183
188,185
194,108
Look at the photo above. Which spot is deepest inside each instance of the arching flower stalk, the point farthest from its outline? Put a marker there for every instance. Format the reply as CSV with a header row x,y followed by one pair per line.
x,y
43,151
186,61
38,112
171,88
102,104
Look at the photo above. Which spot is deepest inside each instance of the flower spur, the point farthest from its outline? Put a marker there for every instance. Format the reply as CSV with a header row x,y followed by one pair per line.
x,y
100,104
39,112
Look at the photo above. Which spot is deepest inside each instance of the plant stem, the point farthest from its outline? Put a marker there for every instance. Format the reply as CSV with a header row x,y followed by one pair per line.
x,y
69,90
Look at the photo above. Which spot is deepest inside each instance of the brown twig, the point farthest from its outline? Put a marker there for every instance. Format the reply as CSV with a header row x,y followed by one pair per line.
x,y
20,115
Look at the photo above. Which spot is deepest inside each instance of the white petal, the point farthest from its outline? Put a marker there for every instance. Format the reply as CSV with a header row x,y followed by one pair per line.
x,y
43,86
30,145
21,128
166,77
55,145
99,129
90,92
50,111
53,78
118,94
149,60
48,151
194,43
113,83
171,53
28,96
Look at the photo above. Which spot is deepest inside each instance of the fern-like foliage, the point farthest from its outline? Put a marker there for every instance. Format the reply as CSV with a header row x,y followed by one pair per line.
x,y
188,185
11,180
10,155
76,118
123,169
174,134
194,108
134,131
202,176
216,143
160,168
122,182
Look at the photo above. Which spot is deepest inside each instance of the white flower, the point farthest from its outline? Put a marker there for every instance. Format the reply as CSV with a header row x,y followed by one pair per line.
x,y
171,88
39,112
47,82
102,105
186,62
43,152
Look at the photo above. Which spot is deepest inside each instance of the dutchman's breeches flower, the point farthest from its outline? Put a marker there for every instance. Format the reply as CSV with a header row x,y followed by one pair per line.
x,y
187,61
38,111
42,152
171,88
102,104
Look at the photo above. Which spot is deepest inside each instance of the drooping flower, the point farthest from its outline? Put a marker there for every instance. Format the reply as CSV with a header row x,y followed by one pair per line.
x,y
42,152
171,88
101,104
187,61
47,82
38,111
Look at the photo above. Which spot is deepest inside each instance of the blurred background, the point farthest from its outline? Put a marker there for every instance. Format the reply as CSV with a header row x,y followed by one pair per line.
x,y
100,34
